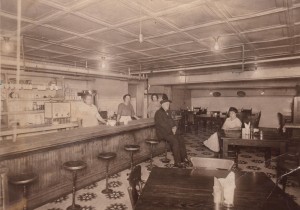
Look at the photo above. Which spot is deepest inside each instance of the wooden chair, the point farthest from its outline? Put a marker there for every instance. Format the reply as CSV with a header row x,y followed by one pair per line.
x,y
212,163
135,184
246,111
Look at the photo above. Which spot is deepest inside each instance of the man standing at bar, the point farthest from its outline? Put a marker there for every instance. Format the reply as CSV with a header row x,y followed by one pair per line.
x,y
166,129
88,113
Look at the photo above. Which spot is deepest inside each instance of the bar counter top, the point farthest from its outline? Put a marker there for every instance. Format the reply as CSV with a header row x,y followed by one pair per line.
x,y
58,139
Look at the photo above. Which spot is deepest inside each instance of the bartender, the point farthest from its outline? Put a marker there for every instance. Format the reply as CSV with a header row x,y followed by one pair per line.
x,y
125,110
88,113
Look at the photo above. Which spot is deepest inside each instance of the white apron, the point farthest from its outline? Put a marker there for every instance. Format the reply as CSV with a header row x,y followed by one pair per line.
x,y
125,119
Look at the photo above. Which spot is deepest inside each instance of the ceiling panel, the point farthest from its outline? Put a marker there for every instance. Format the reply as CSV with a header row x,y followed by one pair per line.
x,y
210,31
133,55
8,24
267,35
75,24
159,52
187,47
90,55
65,2
115,50
274,51
150,27
260,22
171,39
242,7
112,37
110,11
296,14
61,49
192,17
42,53
72,58
32,9
161,5
271,43
42,32
33,43
136,45
86,44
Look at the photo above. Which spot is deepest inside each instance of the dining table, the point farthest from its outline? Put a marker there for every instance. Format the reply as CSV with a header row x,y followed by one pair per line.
x,y
266,140
192,189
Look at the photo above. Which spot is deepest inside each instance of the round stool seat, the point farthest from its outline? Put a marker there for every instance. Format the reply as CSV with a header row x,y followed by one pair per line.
x,y
107,155
152,141
23,178
132,147
74,165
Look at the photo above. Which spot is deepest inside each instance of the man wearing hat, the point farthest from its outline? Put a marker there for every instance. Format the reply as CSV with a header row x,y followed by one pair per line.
x,y
166,129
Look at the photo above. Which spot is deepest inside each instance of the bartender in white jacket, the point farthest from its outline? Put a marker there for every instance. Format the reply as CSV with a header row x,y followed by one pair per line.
x,y
125,110
88,112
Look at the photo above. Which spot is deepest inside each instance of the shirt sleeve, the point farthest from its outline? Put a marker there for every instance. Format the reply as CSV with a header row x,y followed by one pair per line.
x,y
225,126
120,108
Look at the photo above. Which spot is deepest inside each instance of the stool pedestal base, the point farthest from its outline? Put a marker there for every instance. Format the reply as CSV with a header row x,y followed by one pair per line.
x,y
75,207
165,160
107,191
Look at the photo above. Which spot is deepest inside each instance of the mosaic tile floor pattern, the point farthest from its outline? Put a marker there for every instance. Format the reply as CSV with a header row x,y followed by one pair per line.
x,y
91,198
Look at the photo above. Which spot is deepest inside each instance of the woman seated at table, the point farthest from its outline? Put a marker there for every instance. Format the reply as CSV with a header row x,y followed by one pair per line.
x,y
232,122
125,110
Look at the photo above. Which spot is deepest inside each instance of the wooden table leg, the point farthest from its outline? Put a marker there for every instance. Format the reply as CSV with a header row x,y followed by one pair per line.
x,y
225,148
282,147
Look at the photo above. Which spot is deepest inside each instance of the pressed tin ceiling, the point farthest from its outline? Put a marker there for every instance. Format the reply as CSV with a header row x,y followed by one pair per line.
x,y
177,33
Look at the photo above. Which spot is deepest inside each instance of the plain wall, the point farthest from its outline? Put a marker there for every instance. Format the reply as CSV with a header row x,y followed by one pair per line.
x,y
269,105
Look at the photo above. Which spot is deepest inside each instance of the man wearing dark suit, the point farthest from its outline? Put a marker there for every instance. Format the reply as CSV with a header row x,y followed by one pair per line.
x,y
166,129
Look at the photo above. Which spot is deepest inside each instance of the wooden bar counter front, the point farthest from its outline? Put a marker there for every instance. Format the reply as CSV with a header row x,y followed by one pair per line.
x,y
45,154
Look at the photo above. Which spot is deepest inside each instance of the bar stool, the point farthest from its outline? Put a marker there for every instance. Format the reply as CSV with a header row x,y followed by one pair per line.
x,y
153,143
132,148
107,156
74,166
24,180
165,159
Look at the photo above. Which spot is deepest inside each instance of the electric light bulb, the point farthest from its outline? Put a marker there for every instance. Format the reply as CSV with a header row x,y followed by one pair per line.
x,y
141,38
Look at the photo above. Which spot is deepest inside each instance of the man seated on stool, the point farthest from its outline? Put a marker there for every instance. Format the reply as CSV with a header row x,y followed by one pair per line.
x,y
166,129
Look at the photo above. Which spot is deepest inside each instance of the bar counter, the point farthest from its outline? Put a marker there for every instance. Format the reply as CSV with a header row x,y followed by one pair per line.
x,y
44,154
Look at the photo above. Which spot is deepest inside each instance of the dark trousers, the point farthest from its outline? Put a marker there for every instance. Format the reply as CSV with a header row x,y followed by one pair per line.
x,y
178,147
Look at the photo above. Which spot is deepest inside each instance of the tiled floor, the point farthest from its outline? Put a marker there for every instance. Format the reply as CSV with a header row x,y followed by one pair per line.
x,y
91,198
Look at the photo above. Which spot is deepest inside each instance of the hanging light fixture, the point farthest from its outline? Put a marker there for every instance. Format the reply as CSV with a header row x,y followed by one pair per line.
x,y
262,92
103,62
8,45
141,37
216,46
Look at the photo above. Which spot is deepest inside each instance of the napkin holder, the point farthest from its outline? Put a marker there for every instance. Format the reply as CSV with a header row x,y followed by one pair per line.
x,y
224,190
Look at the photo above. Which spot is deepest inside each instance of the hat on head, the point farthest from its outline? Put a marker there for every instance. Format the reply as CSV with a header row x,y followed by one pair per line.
x,y
165,99
233,109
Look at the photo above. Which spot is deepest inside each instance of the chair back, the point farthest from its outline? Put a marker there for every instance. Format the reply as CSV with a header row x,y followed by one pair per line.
x,y
247,111
280,122
256,120
134,189
212,163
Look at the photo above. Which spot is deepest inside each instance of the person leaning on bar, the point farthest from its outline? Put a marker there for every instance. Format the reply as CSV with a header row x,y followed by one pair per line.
x,y
125,110
154,105
87,112
232,122
166,129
